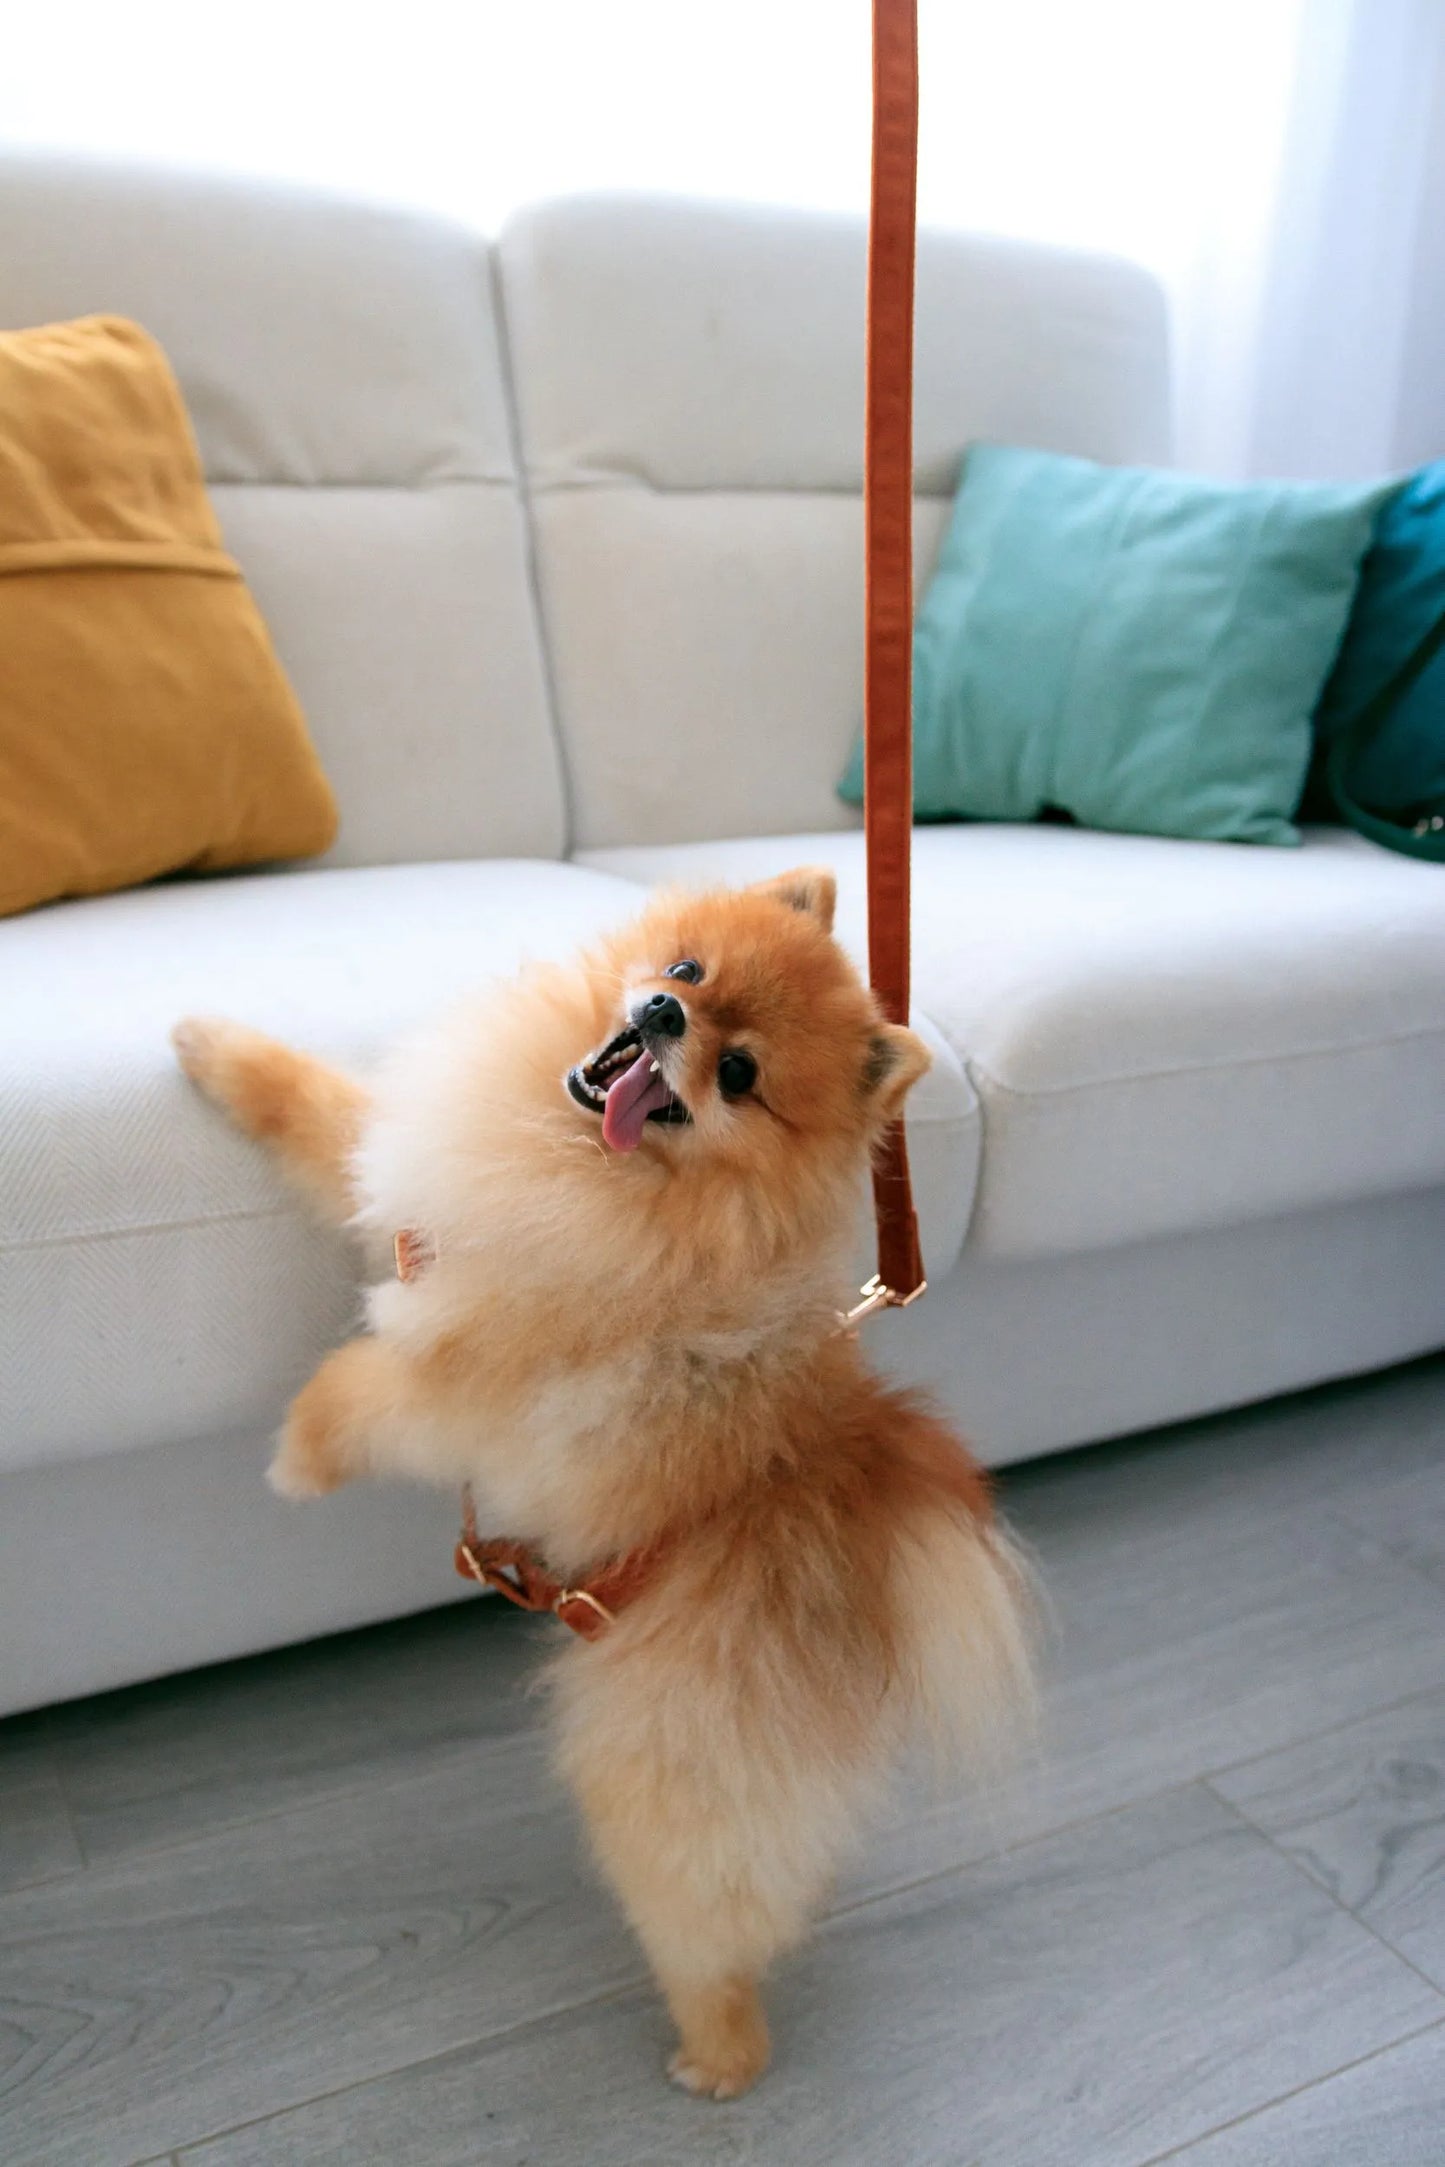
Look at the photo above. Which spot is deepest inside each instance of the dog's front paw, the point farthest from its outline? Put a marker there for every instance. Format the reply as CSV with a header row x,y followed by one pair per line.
x,y
306,1462
726,2078
242,1071
214,1054
196,1040
296,1474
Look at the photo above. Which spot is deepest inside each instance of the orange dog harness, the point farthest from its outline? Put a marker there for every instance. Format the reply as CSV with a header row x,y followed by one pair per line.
x,y
516,1572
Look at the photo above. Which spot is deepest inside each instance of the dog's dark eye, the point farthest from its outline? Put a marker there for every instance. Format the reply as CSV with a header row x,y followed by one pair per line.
x,y
687,969
736,1073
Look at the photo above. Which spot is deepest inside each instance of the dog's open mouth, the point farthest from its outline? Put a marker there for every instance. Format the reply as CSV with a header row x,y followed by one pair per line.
x,y
624,1083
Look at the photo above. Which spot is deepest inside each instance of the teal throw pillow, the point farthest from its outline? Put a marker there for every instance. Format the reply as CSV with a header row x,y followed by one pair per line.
x,y
1138,650
1398,768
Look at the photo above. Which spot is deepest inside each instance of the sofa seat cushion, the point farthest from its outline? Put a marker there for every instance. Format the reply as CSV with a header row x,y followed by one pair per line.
x,y
1163,1036
157,1278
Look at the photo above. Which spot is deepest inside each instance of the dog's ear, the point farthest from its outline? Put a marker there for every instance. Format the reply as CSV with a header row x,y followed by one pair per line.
x,y
808,888
894,1062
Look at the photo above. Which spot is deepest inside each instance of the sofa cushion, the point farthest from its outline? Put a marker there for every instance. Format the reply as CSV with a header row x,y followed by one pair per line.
x,y
342,368
145,723
1399,767
1163,1036
1137,649
689,383
157,1278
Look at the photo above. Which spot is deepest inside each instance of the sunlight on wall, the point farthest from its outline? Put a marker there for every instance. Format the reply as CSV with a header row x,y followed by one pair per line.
x,y
1120,123
1153,128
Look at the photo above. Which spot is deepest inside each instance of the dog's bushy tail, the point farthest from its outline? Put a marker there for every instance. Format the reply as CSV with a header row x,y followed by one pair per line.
x,y
969,1615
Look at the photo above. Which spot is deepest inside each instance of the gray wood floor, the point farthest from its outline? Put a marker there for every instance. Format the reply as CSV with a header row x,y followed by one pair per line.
x,y
327,1909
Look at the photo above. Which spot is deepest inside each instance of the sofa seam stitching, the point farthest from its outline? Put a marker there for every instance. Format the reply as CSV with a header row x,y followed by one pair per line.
x,y
141,1227
977,1069
580,484
532,559
417,486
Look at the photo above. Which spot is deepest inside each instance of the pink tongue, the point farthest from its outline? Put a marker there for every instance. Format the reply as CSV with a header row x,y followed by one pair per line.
x,y
636,1093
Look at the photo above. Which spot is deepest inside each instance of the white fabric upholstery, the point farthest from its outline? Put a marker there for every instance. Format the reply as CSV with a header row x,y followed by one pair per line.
x,y
690,396
342,369
118,1568
1163,1036
1185,1104
1030,1354
1026,1356
157,1280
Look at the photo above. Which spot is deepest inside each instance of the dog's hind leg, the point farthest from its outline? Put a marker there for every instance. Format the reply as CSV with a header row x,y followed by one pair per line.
x,y
720,1869
723,2045
309,1114
708,1932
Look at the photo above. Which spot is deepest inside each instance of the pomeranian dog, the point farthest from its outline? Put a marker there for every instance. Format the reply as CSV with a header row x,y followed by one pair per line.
x,y
635,1188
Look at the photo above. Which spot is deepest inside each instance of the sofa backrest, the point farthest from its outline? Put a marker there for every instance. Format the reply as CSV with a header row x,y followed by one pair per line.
x,y
685,382
689,386
342,368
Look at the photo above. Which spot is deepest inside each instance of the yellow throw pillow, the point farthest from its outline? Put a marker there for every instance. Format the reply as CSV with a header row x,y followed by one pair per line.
x,y
146,724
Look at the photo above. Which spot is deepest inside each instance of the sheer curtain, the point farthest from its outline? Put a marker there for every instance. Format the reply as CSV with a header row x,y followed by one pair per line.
x,y
1348,355
1276,162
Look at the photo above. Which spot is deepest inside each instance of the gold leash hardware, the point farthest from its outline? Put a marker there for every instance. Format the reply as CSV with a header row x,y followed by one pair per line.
x,y
875,1297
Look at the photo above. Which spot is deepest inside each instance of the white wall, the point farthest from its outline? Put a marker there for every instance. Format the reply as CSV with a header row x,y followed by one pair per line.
x,y
1266,158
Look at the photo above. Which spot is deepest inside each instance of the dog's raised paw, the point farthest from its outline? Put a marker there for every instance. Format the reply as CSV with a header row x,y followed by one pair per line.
x,y
705,2081
247,1075
218,1057
291,1476
195,1041
301,1465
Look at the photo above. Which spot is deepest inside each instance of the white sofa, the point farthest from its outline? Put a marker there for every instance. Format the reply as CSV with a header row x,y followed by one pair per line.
x,y
560,540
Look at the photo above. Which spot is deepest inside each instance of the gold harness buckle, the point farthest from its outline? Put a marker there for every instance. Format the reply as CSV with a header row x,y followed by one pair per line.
x,y
582,1595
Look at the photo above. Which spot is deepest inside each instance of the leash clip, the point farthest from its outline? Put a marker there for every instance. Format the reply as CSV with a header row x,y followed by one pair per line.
x,y
876,1296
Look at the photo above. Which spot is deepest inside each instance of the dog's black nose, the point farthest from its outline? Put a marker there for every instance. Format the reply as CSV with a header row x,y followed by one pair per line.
x,y
662,1014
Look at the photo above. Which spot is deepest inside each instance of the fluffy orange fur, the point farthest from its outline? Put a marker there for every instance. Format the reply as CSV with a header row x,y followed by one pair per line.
x,y
617,1347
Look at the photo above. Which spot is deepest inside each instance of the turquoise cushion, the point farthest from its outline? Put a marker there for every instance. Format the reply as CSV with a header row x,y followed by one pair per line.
x,y
1141,651
1401,595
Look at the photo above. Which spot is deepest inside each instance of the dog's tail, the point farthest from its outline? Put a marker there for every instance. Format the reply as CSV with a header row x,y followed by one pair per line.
x,y
969,1613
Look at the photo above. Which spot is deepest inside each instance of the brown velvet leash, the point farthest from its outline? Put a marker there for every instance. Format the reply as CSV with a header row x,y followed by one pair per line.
x,y
888,530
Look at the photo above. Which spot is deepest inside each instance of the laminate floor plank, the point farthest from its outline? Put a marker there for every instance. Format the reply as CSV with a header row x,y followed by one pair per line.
x,y
1385,2112
1404,1508
167,1761
1363,1810
175,1992
329,1904
1086,2002
37,1838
